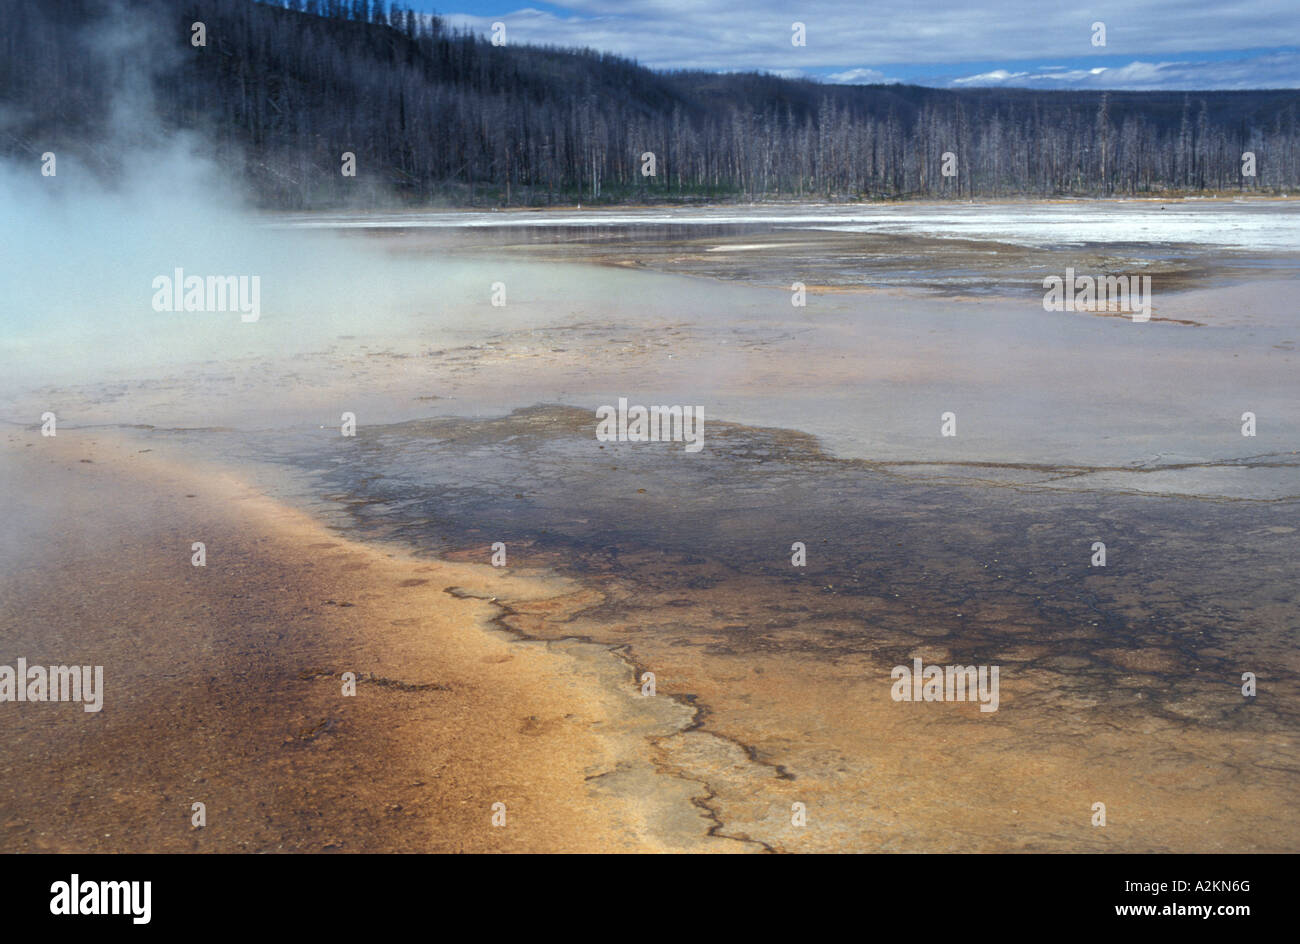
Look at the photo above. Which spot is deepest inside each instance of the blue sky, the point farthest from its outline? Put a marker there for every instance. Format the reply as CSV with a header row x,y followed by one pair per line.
x,y
1150,44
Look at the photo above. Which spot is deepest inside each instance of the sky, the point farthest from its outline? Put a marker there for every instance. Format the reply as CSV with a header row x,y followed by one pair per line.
x,y
1149,44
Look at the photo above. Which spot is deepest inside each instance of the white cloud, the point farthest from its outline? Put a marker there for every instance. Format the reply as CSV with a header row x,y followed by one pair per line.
x,y
860,77
718,35
996,77
1272,70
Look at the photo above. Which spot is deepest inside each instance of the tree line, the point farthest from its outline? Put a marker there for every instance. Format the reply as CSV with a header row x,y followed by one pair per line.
x,y
282,90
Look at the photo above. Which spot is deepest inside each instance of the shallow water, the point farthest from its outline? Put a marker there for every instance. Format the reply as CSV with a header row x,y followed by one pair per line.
x,y
950,249
1245,224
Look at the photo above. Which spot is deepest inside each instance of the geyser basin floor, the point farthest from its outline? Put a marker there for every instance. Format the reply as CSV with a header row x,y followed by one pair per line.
x,y
1119,685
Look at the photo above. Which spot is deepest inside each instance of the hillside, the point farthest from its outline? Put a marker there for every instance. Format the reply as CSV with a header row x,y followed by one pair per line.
x,y
280,92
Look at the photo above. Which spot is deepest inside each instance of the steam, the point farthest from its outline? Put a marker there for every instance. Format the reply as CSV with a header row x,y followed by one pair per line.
x,y
80,250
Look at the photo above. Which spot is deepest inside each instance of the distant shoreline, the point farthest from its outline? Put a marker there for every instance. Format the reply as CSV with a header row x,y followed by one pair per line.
x,y
778,201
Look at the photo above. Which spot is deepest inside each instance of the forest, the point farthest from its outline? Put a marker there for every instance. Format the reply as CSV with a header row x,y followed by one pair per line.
x,y
279,92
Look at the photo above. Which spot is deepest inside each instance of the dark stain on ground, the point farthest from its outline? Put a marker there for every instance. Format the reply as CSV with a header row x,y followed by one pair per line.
x,y
698,547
